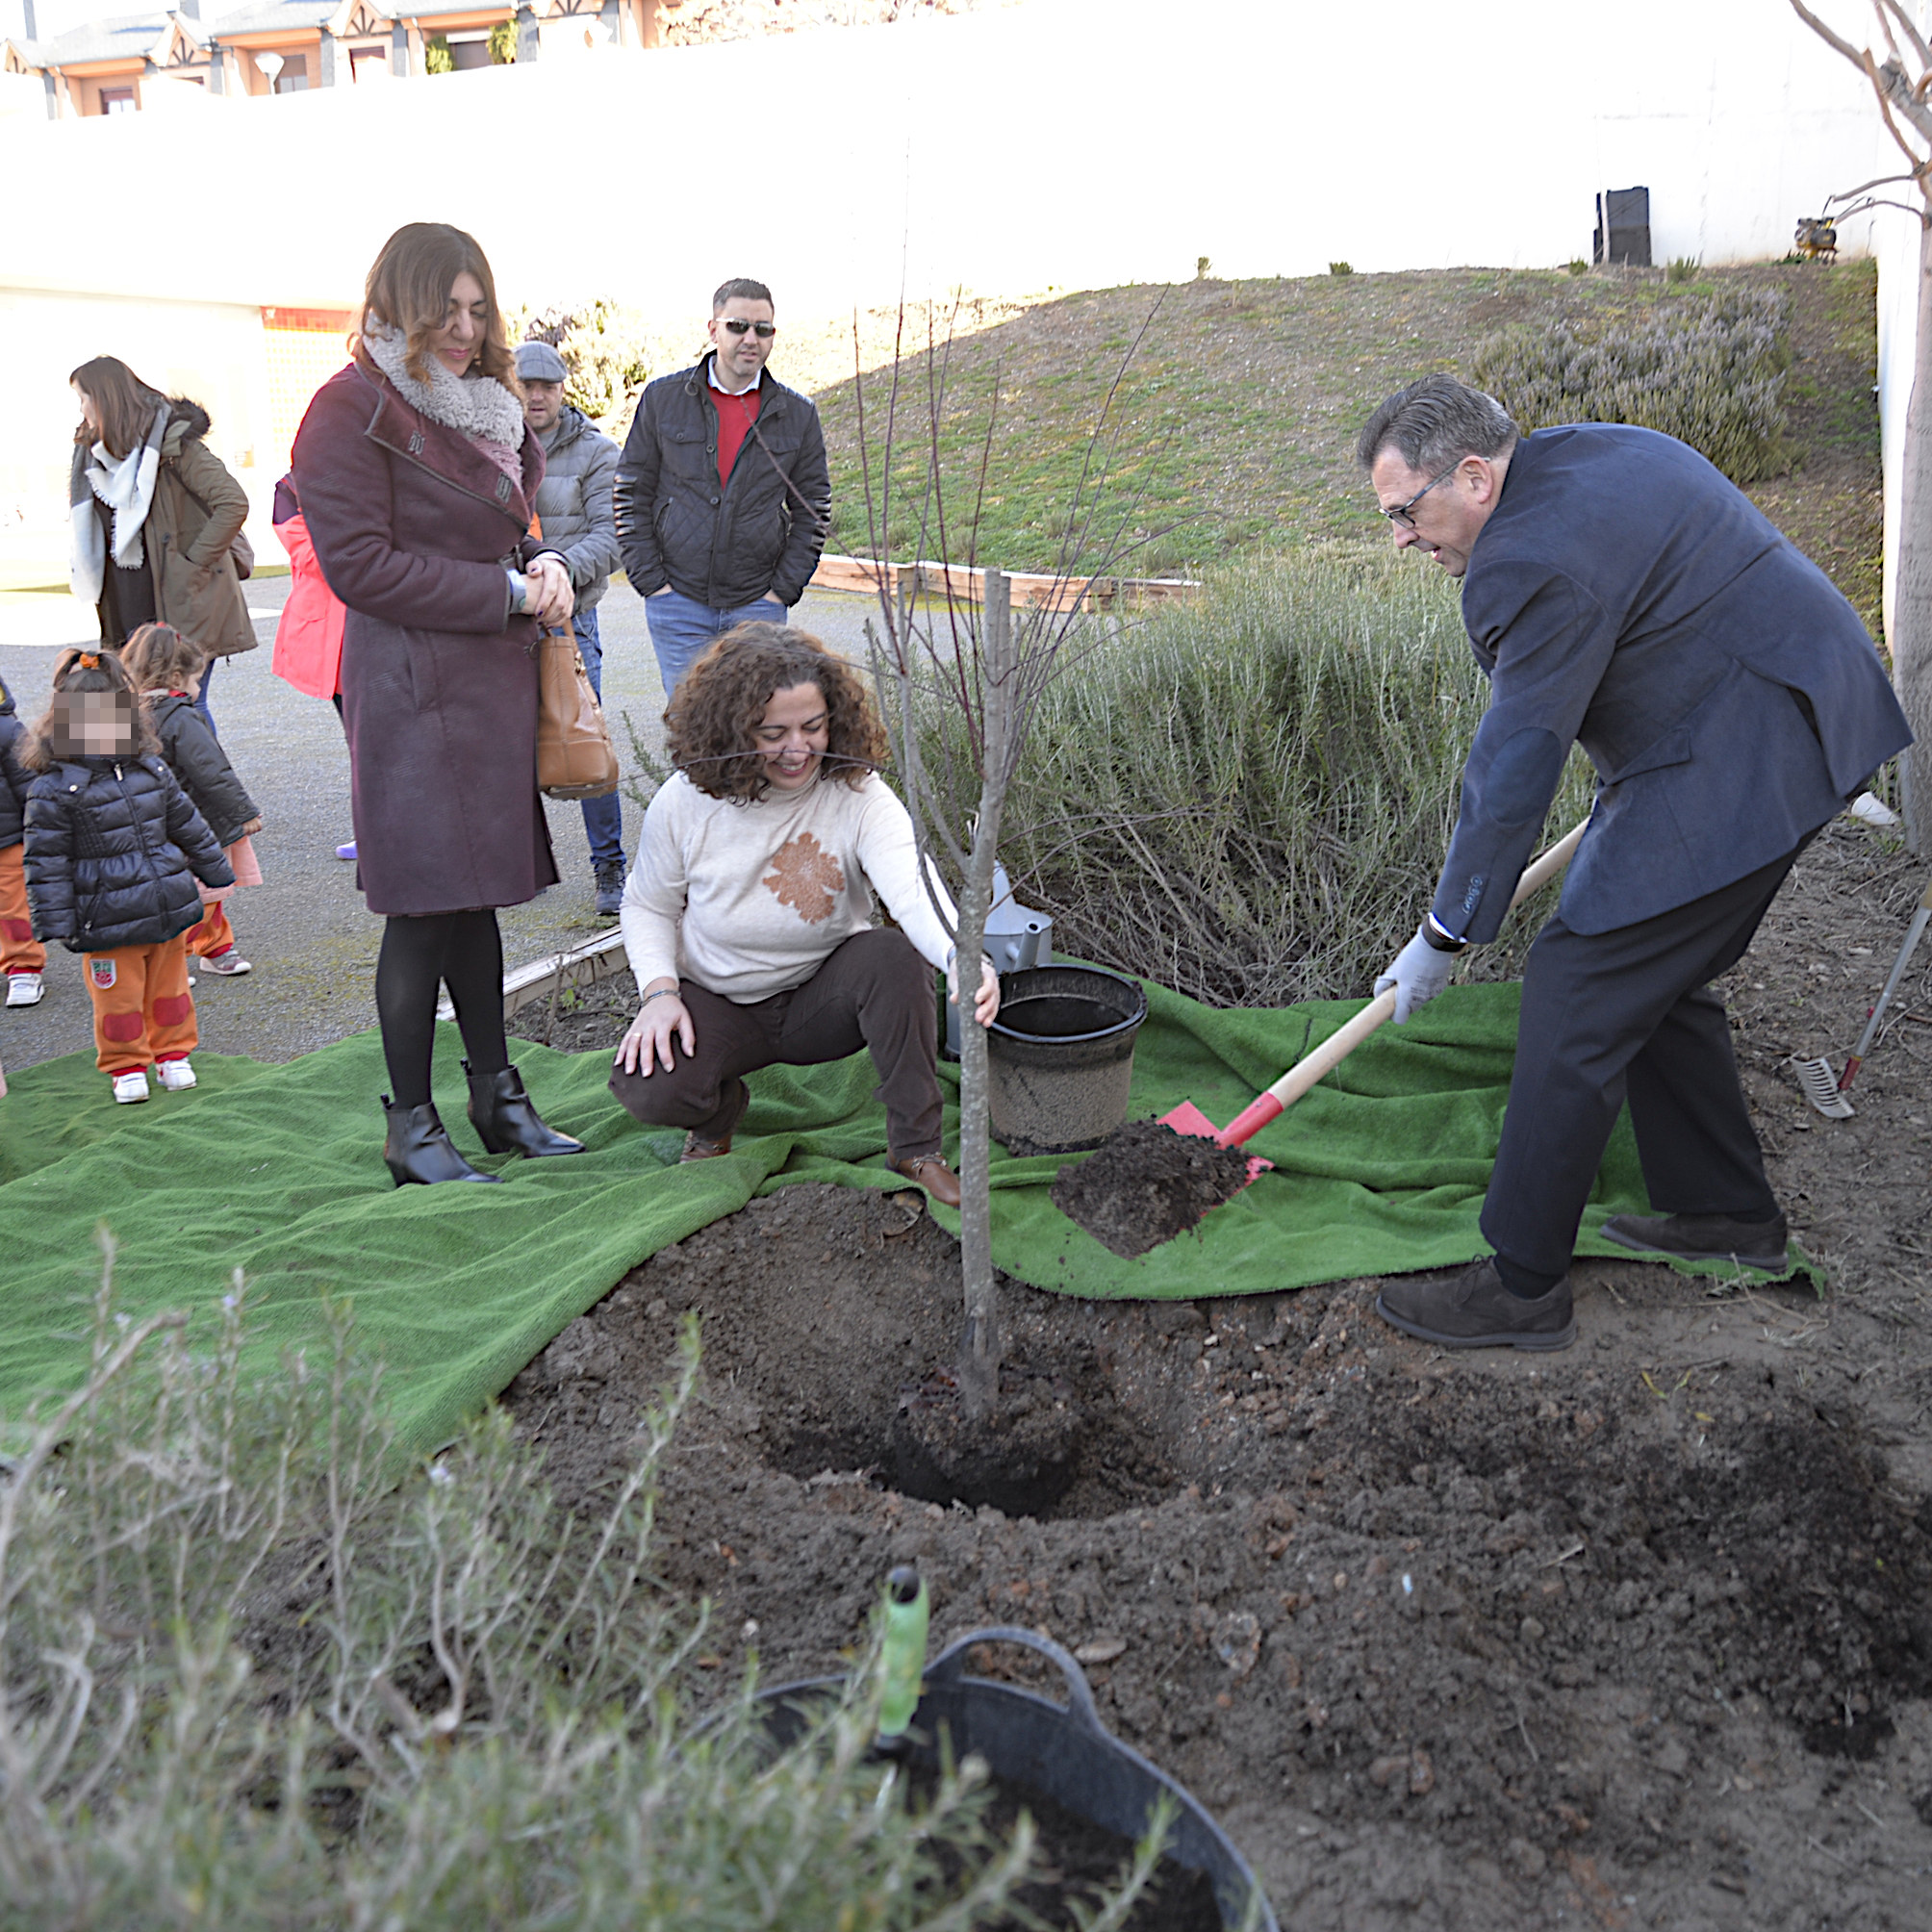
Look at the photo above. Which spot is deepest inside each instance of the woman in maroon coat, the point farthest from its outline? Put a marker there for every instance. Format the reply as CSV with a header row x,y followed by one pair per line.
x,y
417,478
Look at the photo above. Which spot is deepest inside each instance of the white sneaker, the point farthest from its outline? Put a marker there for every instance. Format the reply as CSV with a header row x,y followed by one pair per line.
x,y
24,989
176,1075
130,1086
229,965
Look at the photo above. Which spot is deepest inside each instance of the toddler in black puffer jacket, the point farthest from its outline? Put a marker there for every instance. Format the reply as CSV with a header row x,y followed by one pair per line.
x,y
164,668
114,849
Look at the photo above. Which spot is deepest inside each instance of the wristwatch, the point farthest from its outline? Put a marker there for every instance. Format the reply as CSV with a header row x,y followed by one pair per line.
x,y
1440,937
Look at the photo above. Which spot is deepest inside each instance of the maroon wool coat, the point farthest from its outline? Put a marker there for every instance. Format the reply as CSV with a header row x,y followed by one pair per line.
x,y
414,528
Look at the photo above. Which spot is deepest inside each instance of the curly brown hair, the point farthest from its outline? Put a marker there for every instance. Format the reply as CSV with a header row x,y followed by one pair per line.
x,y
96,670
408,287
723,695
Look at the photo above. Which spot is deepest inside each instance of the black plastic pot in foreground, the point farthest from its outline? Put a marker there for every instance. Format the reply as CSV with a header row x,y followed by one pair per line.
x,y
1062,1751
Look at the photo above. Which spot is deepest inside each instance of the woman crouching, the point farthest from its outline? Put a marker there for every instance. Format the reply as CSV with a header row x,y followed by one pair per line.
x,y
748,916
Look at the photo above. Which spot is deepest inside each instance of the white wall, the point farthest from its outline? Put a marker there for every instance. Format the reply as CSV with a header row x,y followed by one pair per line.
x,y
1060,143
1063,143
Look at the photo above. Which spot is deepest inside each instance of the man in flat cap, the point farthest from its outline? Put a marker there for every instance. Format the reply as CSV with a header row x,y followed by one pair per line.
x,y
574,506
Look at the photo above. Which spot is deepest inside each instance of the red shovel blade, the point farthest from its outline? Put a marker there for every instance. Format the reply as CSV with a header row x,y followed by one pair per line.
x,y
1187,1118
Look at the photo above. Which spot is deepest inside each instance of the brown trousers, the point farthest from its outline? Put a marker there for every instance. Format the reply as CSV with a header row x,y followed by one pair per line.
x,y
873,991
20,951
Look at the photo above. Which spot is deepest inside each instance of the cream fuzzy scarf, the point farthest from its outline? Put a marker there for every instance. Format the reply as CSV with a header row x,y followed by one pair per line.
x,y
476,406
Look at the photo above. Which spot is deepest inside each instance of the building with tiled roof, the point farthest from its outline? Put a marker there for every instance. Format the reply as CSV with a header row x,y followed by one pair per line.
x,y
288,46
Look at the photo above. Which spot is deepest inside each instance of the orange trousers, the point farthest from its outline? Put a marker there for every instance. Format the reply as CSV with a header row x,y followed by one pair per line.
x,y
142,1008
20,951
213,936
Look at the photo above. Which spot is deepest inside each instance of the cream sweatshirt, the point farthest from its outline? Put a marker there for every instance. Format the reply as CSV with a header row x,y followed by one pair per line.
x,y
747,899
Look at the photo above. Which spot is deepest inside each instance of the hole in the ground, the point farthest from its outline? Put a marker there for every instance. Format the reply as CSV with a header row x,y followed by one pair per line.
x,y
1023,1459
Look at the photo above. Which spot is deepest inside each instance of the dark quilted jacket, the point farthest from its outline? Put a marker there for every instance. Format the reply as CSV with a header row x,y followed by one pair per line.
x,y
113,850
758,537
195,757
13,781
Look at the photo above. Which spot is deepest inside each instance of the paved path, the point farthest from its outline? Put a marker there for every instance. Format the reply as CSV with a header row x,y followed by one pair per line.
x,y
305,929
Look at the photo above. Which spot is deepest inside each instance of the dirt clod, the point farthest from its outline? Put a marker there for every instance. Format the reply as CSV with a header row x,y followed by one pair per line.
x,y
1148,1184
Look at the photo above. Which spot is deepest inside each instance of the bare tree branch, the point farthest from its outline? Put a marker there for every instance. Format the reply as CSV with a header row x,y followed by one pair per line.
x,y
1906,26
1824,34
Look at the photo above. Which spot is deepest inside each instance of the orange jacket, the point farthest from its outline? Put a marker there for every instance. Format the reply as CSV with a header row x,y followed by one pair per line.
x,y
309,639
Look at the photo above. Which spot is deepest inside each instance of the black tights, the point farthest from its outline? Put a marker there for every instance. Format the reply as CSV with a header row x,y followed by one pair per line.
x,y
463,950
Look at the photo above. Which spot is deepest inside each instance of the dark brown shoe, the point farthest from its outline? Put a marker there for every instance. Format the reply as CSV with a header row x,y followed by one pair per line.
x,y
931,1173
1470,1308
706,1147
1704,1237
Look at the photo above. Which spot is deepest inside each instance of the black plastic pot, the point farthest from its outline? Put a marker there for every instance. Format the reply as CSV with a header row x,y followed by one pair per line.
x,y
1061,1057
1060,1751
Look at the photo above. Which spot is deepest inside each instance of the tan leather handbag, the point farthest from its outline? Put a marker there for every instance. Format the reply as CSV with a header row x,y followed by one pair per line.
x,y
574,757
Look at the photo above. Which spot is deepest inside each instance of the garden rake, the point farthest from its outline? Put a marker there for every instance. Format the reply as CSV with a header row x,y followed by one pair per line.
x,y
1826,1094
1187,1118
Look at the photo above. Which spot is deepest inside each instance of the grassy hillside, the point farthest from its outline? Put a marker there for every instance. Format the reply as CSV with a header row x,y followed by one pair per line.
x,y
1238,402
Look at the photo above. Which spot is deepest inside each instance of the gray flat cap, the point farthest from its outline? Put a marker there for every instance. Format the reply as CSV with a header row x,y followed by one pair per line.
x,y
539,362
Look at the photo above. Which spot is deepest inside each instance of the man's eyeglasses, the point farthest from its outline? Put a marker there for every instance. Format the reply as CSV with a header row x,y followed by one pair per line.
x,y
737,325
1402,513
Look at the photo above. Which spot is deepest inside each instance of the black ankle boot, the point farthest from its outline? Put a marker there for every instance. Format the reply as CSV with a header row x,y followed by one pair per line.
x,y
419,1148
502,1113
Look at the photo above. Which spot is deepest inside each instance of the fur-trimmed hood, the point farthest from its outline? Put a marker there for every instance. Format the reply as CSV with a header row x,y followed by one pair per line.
x,y
186,417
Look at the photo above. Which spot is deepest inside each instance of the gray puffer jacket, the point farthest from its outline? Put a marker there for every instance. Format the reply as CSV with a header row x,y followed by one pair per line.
x,y
757,537
573,504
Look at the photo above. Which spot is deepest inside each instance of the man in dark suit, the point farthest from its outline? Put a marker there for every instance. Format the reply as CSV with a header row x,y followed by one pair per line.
x,y
1621,594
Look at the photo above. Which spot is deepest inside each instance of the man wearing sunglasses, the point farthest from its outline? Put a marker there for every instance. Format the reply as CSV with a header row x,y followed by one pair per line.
x,y
723,494
1619,595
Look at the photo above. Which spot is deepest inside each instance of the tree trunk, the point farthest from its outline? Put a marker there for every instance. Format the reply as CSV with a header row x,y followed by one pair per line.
x,y
1911,635
979,1346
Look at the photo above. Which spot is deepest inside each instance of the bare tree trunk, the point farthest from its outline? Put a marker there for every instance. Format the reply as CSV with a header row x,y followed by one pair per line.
x,y
1911,635
979,1347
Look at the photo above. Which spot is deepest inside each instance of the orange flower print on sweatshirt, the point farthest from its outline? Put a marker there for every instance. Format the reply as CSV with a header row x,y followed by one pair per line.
x,y
806,878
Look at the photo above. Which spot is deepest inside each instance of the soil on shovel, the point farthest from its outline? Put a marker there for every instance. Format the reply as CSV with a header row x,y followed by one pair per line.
x,y
1635,1634
1148,1184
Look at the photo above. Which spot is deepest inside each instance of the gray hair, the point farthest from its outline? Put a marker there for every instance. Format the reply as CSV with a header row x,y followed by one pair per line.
x,y
1435,422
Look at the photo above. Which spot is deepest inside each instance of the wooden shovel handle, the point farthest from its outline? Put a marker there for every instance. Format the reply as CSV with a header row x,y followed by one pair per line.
x,y
1336,1047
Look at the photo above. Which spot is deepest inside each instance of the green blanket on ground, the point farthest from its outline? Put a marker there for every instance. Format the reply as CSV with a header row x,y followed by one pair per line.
x,y
274,1170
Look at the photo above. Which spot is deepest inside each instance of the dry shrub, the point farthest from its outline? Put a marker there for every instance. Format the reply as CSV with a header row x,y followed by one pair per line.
x,y
1248,798
258,1673
1709,370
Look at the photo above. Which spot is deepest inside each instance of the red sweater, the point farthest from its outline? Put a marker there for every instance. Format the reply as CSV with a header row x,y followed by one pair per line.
x,y
735,417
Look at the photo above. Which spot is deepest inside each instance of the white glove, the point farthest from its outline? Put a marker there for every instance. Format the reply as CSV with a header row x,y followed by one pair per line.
x,y
1419,972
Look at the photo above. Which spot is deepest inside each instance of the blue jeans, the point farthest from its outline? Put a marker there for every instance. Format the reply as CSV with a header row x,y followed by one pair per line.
x,y
201,696
680,629
603,818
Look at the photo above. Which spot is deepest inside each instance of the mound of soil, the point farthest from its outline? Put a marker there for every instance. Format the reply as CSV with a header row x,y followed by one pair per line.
x,y
1147,1185
1634,1634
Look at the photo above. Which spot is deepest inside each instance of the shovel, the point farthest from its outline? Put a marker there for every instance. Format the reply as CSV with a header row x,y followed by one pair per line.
x,y
1187,1118
1826,1094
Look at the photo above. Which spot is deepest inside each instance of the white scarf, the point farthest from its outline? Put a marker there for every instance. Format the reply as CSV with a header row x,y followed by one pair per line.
x,y
126,485
476,406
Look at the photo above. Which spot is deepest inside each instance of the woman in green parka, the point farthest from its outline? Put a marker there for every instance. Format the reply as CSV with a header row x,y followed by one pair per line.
x,y
156,516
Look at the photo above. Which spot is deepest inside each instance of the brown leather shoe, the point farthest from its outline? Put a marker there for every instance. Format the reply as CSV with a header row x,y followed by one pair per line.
x,y
698,1147
933,1174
